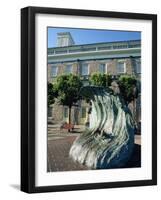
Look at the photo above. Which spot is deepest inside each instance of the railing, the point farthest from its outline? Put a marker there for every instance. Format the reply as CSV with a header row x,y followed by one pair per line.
x,y
96,48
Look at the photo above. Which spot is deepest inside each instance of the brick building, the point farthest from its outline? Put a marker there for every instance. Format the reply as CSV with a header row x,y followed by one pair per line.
x,y
115,58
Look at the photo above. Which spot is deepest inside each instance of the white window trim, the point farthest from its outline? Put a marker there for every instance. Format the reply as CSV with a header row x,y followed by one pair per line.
x,y
64,108
88,66
121,61
106,68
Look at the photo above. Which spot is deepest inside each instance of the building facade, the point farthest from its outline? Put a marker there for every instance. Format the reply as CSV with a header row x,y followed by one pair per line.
x,y
115,58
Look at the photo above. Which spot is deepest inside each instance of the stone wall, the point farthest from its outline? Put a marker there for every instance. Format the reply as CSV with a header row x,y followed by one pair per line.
x,y
129,66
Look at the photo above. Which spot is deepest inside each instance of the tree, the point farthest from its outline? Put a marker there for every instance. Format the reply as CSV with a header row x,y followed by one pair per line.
x,y
100,79
52,94
128,88
129,91
127,85
67,88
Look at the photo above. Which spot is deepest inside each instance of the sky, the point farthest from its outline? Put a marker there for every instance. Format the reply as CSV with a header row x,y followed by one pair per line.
x,y
88,36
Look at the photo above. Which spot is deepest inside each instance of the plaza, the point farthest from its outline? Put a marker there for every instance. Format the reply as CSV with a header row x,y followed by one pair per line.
x,y
67,58
59,144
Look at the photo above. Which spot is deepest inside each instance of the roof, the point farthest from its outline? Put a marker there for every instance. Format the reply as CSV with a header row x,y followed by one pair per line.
x,y
98,43
95,47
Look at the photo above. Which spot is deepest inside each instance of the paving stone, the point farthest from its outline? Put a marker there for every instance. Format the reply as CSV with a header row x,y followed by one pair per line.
x,y
58,155
59,160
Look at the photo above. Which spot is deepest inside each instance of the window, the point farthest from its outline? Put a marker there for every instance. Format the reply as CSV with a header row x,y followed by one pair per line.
x,y
84,70
65,112
138,66
83,112
68,69
54,70
102,68
123,46
121,67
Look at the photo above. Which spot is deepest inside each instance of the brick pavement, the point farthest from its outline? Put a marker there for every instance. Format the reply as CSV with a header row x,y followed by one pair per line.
x,y
59,160
58,155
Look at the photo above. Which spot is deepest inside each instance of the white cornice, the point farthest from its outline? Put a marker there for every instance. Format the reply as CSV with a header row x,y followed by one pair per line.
x,y
95,54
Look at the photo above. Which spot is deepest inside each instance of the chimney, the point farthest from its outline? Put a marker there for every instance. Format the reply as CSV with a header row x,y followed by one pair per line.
x,y
64,39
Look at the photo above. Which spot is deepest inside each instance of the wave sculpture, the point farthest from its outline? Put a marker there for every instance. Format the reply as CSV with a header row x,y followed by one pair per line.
x,y
109,140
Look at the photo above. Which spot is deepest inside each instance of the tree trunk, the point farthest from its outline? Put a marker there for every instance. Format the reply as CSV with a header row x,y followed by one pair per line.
x,y
69,117
134,106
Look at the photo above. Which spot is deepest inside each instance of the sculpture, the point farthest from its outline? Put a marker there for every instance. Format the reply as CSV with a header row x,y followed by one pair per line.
x,y
109,140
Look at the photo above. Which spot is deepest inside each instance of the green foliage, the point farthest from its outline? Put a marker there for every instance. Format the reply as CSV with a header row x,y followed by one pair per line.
x,y
128,88
100,79
67,87
52,94
127,84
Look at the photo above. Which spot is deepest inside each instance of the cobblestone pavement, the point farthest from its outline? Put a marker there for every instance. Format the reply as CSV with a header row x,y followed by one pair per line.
x,y
58,154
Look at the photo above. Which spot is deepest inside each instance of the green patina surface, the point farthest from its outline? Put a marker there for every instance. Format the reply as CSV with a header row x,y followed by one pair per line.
x,y
109,141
